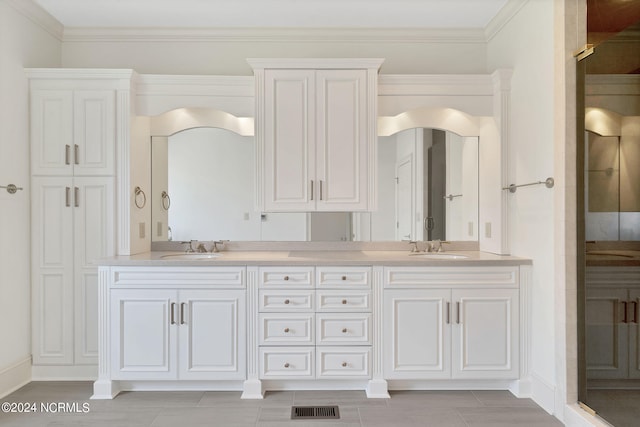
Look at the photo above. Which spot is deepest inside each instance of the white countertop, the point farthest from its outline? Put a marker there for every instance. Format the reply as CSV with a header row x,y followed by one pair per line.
x,y
275,258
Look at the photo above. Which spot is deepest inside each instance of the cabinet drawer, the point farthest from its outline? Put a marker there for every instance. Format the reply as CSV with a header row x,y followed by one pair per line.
x,y
346,300
340,329
343,277
343,362
289,277
287,362
286,329
172,277
287,301
450,277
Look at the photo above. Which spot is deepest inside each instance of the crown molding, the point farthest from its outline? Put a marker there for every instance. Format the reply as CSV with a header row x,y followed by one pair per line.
x,y
38,16
271,35
501,19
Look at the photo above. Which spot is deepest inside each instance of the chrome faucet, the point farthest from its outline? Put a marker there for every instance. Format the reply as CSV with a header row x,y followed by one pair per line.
x,y
201,249
215,243
190,248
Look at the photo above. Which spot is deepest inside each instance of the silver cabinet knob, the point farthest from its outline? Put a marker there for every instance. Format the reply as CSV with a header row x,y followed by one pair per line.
x,y
287,301
344,301
286,330
286,365
344,330
344,364
286,277
344,277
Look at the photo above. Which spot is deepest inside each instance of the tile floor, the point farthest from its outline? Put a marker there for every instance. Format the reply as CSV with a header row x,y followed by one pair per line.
x,y
226,409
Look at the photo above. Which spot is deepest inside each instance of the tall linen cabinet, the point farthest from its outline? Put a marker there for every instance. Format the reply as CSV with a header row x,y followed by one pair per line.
x,y
75,120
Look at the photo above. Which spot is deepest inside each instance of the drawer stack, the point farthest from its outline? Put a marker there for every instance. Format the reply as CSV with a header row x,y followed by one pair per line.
x,y
315,322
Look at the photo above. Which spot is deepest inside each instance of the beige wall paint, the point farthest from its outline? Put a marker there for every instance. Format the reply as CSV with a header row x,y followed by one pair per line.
x,y
23,43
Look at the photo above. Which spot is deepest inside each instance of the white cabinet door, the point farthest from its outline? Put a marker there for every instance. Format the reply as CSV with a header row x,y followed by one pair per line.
x,y
485,334
52,269
212,335
51,132
94,127
634,333
144,327
341,143
94,237
73,132
417,343
606,335
316,137
289,140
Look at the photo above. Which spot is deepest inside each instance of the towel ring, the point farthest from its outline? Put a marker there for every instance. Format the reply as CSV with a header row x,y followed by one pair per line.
x,y
166,201
139,191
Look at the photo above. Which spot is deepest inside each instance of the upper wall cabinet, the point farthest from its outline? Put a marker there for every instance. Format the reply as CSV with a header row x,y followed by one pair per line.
x,y
72,131
316,134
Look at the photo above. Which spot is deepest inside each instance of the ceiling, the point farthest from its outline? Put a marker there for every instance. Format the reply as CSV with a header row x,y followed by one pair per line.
x,y
434,14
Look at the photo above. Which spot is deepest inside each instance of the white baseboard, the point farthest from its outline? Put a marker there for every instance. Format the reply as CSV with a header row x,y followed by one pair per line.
x,y
64,372
15,376
543,394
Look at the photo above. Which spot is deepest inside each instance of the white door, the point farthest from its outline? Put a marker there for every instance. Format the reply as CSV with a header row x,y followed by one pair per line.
x,y
144,324
212,335
341,144
289,141
634,333
51,132
94,236
94,126
52,269
416,334
485,334
606,335
404,199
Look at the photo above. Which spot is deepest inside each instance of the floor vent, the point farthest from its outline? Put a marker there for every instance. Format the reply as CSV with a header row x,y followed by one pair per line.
x,y
314,412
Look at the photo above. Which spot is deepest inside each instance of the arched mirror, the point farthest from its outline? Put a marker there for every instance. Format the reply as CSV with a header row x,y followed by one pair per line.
x,y
428,188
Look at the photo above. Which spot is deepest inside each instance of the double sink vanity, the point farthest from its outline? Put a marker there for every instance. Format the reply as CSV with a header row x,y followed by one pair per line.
x,y
256,320
323,168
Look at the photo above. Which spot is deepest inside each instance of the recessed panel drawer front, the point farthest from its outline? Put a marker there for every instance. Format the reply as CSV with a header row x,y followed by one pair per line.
x,y
344,300
287,362
343,329
286,301
287,277
172,277
286,329
343,362
343,277
450,277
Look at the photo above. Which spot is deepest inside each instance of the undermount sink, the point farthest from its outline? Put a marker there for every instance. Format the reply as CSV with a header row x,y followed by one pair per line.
x,y
191,256
438,255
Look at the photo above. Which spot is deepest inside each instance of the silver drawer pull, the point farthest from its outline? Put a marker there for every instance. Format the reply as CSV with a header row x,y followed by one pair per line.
x,y
286,365
344,364
344,330
66,154
344,301
286,330
286,301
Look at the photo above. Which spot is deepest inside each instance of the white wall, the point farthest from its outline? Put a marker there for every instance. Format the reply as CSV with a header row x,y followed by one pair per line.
x,y
526,45
23,43
227,56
